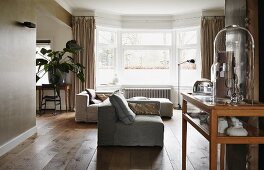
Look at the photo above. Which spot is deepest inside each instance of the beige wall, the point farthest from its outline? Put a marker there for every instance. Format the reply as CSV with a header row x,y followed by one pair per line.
x,y
50,28
17,69
54,9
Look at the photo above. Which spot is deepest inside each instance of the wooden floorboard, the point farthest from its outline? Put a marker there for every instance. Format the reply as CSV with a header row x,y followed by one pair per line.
x,y
61,143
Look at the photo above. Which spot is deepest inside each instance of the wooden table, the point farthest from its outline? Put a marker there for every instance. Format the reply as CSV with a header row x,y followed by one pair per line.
x,y
67,92
216,110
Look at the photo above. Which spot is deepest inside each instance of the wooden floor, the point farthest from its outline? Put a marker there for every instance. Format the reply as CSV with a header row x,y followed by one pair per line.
x,y
63,144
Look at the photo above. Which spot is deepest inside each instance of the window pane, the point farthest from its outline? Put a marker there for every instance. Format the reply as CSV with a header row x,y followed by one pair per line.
x,y
105,76
146,38
146,77
146,59
187,37
106,58
106,37
187,54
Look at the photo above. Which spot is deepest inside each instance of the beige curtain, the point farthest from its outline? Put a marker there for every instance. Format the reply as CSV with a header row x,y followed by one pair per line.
x,y
210,26
84,33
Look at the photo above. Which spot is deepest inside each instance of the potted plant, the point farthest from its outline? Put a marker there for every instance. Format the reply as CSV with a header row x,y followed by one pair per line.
x,y
56,64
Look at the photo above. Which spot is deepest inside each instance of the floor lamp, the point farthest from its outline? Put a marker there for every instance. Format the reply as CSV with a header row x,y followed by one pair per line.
x,y
179,64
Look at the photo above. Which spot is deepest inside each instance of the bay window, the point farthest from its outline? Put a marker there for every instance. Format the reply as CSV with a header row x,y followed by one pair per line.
x,y
145,57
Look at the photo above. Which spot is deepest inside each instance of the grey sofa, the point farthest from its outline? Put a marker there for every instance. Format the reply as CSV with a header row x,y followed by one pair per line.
x,y
145,131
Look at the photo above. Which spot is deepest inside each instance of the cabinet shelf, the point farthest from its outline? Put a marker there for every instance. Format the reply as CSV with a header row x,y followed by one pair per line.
x,y
204,128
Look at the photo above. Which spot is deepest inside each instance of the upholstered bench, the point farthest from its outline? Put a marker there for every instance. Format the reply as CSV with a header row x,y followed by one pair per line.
x,y
166,106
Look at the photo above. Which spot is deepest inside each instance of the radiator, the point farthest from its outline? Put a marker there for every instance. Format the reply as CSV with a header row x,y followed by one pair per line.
x,y
148,92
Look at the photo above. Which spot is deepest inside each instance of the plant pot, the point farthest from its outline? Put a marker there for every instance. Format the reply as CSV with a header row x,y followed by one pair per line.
x,y
57,77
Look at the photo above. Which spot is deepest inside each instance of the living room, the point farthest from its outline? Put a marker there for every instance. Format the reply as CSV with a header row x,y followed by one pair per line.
x,y
134,45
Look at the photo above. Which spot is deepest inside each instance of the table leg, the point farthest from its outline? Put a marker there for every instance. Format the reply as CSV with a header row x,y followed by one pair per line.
x,y
184,135
66,97
40,95
213,142
184,139
69,98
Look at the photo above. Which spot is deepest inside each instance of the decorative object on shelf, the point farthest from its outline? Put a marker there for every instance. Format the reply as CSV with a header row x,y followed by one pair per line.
x,y
232,72
203,87
222,124
179,64
56,65
236,129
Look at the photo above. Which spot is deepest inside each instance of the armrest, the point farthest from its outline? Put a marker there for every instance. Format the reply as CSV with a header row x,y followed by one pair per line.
x,y
82,102
106,114
106,124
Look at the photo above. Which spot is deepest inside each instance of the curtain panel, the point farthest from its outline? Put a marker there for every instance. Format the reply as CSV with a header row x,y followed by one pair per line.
x,y
210,26
83,28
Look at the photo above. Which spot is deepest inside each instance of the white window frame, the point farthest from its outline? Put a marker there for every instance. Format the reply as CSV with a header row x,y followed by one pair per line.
x,y
43,45
113,46
196,46
143,47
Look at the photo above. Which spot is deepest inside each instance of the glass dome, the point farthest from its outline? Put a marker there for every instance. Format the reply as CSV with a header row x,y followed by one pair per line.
x,y
232,72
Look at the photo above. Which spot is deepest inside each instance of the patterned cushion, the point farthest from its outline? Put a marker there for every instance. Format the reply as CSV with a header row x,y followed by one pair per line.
x,y
102,97
125,114
145,108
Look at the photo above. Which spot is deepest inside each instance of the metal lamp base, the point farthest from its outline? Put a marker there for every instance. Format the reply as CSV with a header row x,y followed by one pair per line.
x,y
179,107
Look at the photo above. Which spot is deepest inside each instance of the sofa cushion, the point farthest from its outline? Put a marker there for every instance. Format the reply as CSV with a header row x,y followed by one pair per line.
x,y
139,98
95,101
92,95
145,108
125,114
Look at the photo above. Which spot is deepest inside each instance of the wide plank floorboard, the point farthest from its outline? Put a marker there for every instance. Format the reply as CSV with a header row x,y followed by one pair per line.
x,y
61,143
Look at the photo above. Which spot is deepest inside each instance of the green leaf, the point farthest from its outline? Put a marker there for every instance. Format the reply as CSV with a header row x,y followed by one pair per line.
x,y
37,78
43,51
64,67
41,61
71,59
47,67
80,75
72,45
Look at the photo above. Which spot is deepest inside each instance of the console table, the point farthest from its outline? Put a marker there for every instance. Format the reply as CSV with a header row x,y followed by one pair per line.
x,y
67,92
210,132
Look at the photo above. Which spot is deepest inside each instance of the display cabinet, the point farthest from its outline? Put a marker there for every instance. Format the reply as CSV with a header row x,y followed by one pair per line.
x,y
210,130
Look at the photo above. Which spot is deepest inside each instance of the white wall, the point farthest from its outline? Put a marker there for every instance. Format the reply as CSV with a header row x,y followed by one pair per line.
x,y
50,28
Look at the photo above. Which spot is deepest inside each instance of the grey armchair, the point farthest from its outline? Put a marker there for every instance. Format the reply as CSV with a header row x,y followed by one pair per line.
x,y
145,131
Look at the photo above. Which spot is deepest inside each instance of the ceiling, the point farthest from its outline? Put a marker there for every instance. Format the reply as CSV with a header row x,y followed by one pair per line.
x,y
142,7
